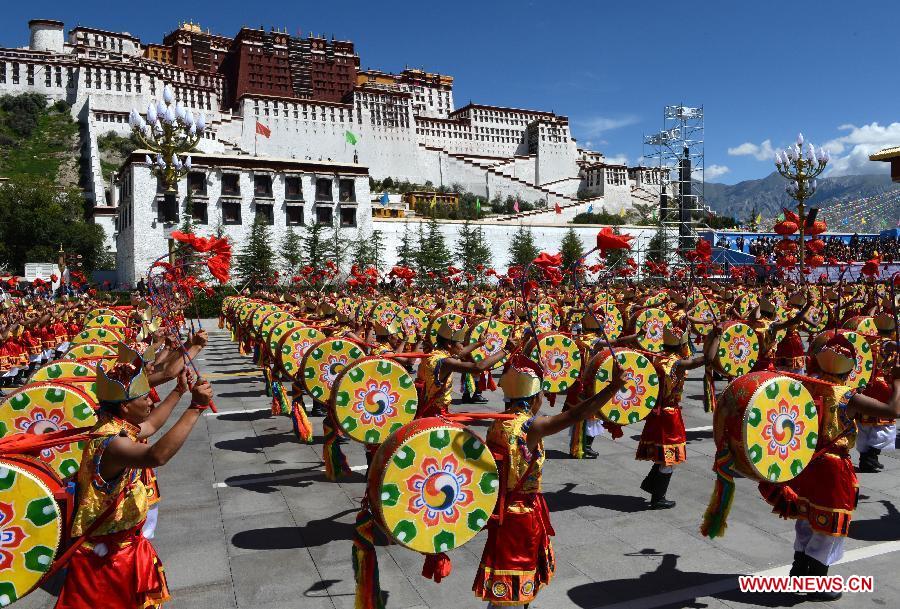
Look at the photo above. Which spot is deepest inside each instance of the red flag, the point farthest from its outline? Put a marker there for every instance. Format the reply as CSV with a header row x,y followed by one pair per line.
x,y
516,206
558,208
263,130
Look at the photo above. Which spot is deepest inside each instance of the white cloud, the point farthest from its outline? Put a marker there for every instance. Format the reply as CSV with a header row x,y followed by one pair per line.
x,y
596,125
850,152
616,159
761,152
715,171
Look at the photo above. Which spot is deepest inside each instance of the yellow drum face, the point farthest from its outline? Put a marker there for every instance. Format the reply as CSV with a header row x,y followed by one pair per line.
x,y
32,530
277,332
561,360
413,320
385,312
495,334
259,315
103,336
863,324
865,362
545,317
42,408
818,315
99,311
344,305
245,312
781,427
706,310
478,302
640,394
293,347
323,363
650,324
105,321
454,319
373,398
91,351
269,322
82,375
508,310
610,317
436,489
738,349
427,303
747,303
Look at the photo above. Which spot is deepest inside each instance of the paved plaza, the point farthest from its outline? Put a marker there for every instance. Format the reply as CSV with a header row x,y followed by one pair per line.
x,y
248,520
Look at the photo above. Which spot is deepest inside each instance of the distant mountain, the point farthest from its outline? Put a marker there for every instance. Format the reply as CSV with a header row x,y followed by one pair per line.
x,y
767,195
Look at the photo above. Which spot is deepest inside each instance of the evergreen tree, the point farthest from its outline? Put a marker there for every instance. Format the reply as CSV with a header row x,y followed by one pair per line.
x,y
616,258
656,248
315,246
421,246
522,249
472,249
256,261
291,251
434,256
407,252
338,246
361,251
181,252
376,250
571,248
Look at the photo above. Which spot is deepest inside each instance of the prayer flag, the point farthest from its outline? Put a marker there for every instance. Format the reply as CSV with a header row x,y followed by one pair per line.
x,y
591,210
516,206
477,205
385,198
558,208
351,137
263,130
433,201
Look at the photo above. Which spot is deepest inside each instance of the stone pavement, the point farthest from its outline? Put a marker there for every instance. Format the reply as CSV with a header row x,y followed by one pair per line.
x,y
248,520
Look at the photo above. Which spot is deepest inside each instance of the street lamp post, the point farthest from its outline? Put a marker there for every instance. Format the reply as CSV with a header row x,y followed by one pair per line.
x,y
169,130
801,167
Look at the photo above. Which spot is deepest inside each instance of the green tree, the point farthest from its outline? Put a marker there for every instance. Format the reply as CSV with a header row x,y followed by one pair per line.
x,y
407,252
522,249
656,248
571,248
291,251
183,253
361,251
472,248
376,244
616,258
315,245
434,255
338,246
36,217
256,260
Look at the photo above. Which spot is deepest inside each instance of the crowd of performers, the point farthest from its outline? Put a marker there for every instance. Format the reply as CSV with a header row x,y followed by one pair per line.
x,y
805,373
835,343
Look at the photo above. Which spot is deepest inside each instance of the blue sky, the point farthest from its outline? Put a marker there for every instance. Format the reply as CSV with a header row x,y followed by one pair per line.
x,y
763,70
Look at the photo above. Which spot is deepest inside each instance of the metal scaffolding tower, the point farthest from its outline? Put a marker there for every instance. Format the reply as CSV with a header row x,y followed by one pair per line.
x,y
678,152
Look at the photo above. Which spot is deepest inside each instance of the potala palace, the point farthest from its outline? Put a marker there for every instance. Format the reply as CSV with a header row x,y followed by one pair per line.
x,y
295,131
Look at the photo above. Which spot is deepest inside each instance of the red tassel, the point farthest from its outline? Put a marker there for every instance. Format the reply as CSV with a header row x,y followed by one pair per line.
x,y
436,567
551,399
614,429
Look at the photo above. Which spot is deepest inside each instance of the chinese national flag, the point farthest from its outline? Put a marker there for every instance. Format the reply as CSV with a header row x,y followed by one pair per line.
x,y
263,130
558,208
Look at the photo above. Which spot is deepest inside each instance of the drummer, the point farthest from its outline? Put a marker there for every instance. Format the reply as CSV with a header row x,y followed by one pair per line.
x,y
450,355
518,557
117,566
762,320
823,497
789,354
878,434
663,439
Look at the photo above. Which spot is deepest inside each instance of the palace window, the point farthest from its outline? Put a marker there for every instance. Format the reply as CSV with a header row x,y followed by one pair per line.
x,y
197,183
323,190
231,212
231,185
199,212
293,190
294,215
262,186
324,215
348,217
265,214
347,191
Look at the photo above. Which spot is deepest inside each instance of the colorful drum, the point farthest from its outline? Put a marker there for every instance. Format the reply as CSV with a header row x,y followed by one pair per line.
x,y
82,375
509,310
108,321
649,325
34,510
344,305
865,361
91,352
293,347
633,402
276,333
706,310
324,361
545,317
385,312
495,334
104,336
610,317
738,349
746,303
560,359
372,398
433,485
770,424
413,320
818,314
41,408
99,311
259,317
479,302
270,321
862,324
456,320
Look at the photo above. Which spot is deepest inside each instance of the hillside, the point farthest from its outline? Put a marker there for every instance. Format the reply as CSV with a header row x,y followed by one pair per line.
x,y
36,140
767,195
